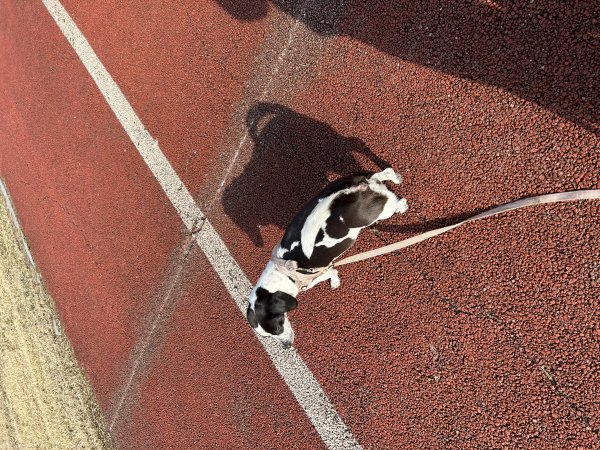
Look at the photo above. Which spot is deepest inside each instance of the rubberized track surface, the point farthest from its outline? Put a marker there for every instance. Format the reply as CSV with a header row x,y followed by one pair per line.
x,y
486,337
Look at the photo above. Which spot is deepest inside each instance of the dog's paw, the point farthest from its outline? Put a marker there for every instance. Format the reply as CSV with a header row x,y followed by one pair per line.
x,y
402,206
388,175
395,177
335,280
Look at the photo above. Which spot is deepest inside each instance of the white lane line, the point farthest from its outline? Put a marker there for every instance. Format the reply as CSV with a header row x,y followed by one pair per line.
x,y
13,216
144,142
289,363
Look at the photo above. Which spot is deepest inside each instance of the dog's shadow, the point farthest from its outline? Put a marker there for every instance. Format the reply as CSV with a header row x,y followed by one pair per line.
x,y
292,158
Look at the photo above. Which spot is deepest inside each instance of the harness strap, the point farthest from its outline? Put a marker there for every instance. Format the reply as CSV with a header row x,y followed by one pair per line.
x,y
290,268
590,194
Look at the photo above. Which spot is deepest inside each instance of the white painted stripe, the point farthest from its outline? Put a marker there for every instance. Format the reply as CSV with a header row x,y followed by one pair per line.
x,y
143,141
289,363
13,216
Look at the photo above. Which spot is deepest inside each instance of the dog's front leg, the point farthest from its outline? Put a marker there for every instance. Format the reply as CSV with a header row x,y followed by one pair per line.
x,y
335,281
331,274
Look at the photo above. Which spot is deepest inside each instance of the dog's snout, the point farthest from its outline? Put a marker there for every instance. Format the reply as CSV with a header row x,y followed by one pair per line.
x,y
288,340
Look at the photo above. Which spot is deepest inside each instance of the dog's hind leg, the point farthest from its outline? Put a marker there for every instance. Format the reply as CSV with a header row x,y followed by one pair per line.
x,y
393,205
401,206
387,175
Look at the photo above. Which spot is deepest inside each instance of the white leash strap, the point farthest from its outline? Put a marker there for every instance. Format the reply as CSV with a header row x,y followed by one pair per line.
x,y
591,194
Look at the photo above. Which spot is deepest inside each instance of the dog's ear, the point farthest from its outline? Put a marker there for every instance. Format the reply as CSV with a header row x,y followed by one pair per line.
x,y
251,316
280,302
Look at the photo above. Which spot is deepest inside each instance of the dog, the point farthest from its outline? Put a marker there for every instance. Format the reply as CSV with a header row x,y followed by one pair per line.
x,y
324,229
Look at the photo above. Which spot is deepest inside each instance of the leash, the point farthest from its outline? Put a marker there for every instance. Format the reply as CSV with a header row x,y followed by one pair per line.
x,y
304,278
590,194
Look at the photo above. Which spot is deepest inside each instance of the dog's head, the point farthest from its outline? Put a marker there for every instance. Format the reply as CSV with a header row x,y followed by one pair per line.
x,y
267,314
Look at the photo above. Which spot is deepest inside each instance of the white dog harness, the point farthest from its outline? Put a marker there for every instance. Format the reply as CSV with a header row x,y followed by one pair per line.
x,y
289,268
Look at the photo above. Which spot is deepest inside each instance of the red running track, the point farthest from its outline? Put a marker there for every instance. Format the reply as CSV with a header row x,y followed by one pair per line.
x,y
486,337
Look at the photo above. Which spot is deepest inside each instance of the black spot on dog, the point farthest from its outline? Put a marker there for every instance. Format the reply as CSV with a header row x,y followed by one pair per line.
x,y
359,209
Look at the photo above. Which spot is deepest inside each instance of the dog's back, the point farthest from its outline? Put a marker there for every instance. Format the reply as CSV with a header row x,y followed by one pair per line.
x,y
329,224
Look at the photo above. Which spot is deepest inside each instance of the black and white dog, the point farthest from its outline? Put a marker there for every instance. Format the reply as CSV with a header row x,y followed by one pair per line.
x,y
325,228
